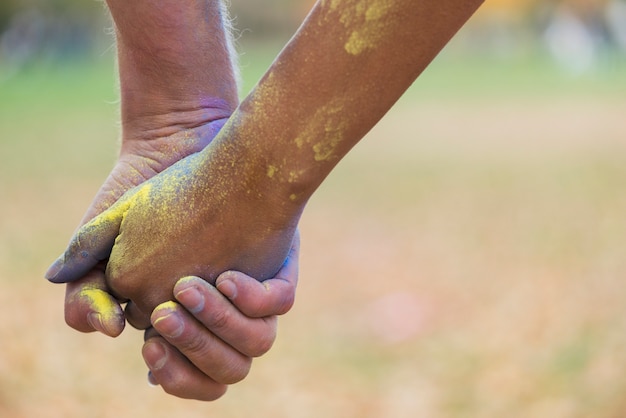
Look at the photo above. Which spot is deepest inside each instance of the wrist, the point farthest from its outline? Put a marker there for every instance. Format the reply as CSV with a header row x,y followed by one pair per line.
x,y
143,157
246,166
171,118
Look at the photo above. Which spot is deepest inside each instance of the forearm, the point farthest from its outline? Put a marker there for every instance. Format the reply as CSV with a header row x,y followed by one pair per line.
x,y
177,86
175,65
346,66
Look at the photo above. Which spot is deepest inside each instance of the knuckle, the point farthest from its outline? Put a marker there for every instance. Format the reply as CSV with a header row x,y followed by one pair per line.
x,y
263,343
122,281
286,302
195,346
173,385
225,371
234,372
114,272
220,319
261,346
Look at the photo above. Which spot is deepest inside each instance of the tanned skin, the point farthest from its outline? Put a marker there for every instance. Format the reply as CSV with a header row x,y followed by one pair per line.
x,y
177,88
236,204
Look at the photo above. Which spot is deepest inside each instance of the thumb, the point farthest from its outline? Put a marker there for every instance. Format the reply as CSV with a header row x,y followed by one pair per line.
x,y
89,306
91,244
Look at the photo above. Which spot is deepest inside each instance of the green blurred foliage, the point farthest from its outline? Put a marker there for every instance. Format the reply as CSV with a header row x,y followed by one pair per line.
x,y
9,8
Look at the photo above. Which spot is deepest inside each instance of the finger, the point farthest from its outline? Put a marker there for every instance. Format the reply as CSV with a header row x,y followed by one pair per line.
x,y
91,244
89,307
274,296
250,336
136,317
208,353
176,375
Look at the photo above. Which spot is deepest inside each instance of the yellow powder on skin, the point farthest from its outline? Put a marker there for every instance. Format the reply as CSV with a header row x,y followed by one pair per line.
x,y
372,27
331,118
294,176
365,21
101,302
163,309
325,150
151,201
116,212
263,100
271,169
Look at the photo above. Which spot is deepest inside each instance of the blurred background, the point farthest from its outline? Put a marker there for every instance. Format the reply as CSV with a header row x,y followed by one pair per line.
x,y
467,259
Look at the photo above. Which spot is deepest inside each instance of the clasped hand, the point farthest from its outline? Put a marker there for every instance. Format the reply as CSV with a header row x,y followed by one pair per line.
x,y
191,222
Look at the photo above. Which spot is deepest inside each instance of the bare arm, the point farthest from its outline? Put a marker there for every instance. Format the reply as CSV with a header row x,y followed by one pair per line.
x,y
177,86
177,82
241,197
344,69
176,65
236,204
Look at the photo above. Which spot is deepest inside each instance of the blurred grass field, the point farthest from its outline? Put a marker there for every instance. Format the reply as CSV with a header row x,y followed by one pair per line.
x,y
467,259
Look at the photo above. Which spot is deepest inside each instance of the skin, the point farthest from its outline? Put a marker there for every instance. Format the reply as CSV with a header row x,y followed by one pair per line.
x,y
174,100
351,60
204,327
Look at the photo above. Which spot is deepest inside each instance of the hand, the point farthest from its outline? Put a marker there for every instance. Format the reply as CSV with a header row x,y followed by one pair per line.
x,y
88,303
210,344
199,217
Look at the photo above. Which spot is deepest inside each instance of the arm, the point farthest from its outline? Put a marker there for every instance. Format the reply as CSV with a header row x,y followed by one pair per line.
x,y
236,204
177,86
346,66
176,66
177,82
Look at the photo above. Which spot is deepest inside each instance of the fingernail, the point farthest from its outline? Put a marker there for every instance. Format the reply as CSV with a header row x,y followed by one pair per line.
x,y
152,380
227,288
95,320
155,355
108,324
54,269
191,298
170,324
